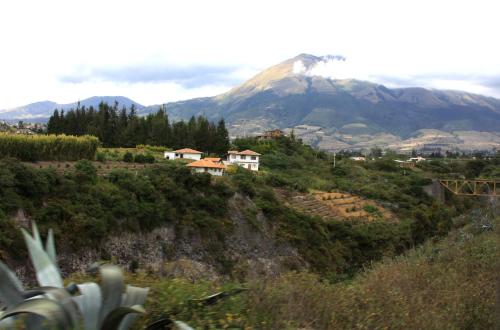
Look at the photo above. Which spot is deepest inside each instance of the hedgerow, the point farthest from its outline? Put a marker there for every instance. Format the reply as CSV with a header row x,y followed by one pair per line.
x,y
48,147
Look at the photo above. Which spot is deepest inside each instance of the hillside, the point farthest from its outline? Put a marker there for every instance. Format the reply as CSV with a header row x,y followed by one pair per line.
x,y
348,112
188,235
163,212
445,284
41,111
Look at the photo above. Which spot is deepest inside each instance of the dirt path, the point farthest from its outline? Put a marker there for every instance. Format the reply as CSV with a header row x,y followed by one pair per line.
x,y
102,167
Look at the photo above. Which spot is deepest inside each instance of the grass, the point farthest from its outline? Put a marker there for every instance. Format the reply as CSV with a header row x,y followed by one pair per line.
x,y
443,284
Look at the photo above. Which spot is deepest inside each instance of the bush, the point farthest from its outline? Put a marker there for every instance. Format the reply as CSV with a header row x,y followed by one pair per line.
x,y
144,158
101,157
85,172
128,157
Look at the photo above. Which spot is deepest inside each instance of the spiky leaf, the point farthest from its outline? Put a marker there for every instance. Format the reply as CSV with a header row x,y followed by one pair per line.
x,y
11,289
182,326
47,272
112,289
50,310
133,296
89,303
50,247
114,319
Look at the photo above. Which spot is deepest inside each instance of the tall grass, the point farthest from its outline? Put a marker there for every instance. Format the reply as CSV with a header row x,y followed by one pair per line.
x,y
48,147
445,285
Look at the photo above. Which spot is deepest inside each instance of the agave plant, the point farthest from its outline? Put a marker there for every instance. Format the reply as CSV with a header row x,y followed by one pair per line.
x,y
111,305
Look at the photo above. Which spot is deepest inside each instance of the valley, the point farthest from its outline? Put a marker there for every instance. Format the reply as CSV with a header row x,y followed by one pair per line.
x,y
297,224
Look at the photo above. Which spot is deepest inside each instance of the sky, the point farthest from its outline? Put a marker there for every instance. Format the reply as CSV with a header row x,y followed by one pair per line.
x,y
160,51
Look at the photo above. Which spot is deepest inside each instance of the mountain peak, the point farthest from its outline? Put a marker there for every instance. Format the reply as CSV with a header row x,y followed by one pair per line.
x,y
287,77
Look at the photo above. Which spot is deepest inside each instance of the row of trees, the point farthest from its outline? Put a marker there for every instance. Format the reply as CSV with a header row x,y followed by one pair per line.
x,y
48,147
124,128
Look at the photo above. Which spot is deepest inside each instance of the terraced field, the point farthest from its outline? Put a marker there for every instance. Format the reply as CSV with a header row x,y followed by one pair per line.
x,y
336,205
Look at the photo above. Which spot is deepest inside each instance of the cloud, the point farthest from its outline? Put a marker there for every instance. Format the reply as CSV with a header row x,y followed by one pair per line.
x,y
189,77
491,82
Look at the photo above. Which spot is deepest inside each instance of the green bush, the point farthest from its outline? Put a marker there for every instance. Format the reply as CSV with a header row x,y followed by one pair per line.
x,y
144,158
101,157
128,157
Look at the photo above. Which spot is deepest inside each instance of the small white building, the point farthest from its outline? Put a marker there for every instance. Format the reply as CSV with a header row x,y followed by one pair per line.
x,y
416,159
207,166
247,159
185,153
358,158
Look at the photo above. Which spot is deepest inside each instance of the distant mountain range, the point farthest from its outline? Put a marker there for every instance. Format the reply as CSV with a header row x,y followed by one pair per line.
x,y
41,111
346,113
331,113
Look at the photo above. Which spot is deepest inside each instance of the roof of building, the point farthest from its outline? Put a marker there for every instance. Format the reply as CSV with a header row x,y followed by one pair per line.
x,y
244,152
213,159
187,151
206,164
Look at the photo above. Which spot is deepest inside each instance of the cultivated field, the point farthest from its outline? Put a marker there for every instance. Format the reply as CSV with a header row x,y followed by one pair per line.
x,y
337,205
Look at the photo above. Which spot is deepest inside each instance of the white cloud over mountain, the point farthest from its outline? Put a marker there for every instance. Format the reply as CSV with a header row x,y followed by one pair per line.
x,y
158,51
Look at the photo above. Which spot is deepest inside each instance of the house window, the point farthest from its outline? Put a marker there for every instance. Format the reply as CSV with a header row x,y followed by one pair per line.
x,y
253,157
243,157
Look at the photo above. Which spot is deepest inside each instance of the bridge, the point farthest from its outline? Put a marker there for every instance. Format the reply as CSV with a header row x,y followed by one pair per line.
x,y
472,187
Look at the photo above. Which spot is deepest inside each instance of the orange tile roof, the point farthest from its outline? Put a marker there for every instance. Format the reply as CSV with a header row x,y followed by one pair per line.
x,y
244,152
213,159
206,163
187,151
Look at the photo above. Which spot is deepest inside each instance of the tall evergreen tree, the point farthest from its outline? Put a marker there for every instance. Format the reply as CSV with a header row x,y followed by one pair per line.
x,y
119,128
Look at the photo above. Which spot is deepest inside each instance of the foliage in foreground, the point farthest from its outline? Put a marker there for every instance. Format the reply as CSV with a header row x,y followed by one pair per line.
x,y
446,284
51,305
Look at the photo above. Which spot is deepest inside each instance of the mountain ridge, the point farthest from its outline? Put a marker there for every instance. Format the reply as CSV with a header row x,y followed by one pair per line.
x,y
41,111
316,91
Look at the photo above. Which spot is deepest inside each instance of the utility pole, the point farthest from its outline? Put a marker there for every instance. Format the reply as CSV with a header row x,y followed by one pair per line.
x,y
334,154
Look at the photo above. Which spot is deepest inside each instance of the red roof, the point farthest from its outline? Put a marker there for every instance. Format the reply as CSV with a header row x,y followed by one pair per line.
x,y
206,164
244,152
187,151
213,159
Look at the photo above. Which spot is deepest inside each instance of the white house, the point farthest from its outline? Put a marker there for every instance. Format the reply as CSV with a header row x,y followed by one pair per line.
x,y
185,153
416,159
358,158
207,166
248,159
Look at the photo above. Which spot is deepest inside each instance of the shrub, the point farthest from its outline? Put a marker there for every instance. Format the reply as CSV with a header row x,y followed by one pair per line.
x,y
144,158
128,157
85,172
149,158
101,157
139,158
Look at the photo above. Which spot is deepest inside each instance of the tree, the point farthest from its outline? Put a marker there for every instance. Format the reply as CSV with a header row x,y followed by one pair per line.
x,y
119,128
221,140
